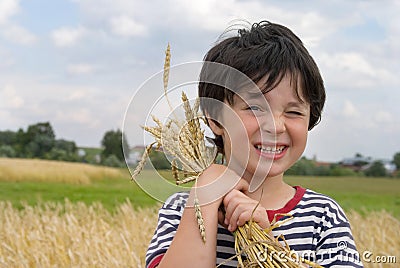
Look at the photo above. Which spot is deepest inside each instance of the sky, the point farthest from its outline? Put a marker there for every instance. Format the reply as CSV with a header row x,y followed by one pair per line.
x,y
78,64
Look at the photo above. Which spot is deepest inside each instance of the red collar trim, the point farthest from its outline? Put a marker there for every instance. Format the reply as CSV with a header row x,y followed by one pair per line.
x,y
289,205
156,261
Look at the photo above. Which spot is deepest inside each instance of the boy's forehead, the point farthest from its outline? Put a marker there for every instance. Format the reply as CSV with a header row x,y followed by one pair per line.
x,y
250,95
249,91
258,92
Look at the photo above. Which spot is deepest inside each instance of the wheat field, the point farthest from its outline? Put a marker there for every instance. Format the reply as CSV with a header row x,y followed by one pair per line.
x,y
13,169
74,235
79,235
71,234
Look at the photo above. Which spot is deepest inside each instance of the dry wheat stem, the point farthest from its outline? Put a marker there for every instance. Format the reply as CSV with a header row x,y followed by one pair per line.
x,y
142,161
200,220
167,64
182,139
261,243
174,170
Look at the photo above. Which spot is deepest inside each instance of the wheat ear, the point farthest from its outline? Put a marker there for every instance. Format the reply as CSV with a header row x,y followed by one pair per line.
x,y
167,64
142,161
199,216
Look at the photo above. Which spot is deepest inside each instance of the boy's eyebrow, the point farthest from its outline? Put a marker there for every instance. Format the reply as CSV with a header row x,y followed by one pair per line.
x,y
300,104
254,95
250,95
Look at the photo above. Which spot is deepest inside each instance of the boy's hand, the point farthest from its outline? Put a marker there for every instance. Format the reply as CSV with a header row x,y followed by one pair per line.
x,y
214,183
239,208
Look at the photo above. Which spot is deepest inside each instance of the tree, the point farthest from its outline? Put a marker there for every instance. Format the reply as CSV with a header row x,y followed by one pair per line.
x,y
112,161
303,166
68,146
377,169
7,151
114,143
337,170
159,160
396,160
8,137
38,140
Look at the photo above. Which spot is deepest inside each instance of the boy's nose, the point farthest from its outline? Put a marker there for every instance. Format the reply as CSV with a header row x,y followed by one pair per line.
x,y
273,124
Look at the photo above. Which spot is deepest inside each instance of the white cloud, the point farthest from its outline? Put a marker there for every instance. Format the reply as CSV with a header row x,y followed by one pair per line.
x,y
66,36
10,30
350,110
126,26
81,68
7,59
83,116
355,71
8,8
10,98
19,35
78,94
354,62
382,117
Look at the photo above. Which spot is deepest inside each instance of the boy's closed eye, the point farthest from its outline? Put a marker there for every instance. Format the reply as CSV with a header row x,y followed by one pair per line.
x,y
298,113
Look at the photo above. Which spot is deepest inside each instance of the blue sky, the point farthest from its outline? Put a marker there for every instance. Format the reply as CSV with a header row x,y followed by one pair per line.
x,y
78,63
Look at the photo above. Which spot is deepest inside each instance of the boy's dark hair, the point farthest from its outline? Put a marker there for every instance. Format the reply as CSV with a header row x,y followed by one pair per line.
x,y
265,49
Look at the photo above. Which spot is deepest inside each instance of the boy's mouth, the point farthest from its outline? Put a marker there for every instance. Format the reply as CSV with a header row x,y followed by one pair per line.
x,y
270,149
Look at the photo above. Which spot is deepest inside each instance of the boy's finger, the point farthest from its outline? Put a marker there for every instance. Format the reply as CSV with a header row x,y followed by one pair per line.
x,y
242,186
234,220
231,201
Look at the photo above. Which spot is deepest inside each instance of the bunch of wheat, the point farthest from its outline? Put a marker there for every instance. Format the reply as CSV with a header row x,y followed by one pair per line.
x,y
184,141
262,249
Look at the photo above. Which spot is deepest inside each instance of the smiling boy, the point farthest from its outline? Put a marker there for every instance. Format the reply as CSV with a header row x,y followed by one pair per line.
x,y
262,134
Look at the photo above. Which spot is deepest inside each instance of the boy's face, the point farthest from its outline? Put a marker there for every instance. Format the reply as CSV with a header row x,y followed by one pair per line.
x,y
274,128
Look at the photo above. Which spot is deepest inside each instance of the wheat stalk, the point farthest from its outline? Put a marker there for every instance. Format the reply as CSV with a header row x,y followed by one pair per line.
x,y
200,220
182,139
142,161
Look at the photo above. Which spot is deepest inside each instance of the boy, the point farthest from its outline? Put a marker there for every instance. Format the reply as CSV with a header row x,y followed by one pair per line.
x,y
274,137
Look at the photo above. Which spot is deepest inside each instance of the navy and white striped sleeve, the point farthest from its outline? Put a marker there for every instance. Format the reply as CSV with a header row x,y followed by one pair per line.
x,y
169,217
335,244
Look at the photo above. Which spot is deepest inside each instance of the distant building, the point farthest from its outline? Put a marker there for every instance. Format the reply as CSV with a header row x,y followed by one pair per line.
x,y
361,163
389,166
135,154
356,163
81,152
322,164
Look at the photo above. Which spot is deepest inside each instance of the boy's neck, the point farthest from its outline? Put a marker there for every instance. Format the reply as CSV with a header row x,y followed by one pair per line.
x,y
274,193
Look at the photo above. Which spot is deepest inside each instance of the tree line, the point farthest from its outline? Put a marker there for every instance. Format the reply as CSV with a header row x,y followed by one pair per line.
x,y
375,168
39,141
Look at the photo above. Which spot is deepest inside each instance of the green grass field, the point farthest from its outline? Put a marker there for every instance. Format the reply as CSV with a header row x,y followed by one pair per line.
x,y
352,193
110,192
361,194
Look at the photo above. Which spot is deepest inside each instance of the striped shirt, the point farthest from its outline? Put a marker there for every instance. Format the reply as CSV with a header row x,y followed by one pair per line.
x,y
319,231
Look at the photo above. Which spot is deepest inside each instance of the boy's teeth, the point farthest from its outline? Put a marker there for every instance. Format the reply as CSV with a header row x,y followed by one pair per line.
x,y
269,149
